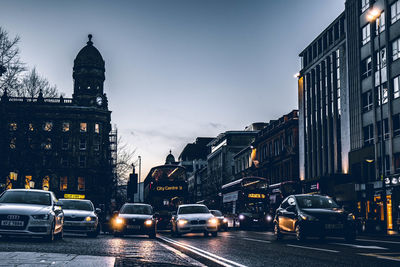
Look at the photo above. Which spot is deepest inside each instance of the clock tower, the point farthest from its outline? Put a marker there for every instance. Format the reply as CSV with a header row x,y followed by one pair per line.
x,y
88,74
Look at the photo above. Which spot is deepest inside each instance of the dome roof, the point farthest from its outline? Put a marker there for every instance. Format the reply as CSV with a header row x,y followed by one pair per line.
x,y
89,56
170,158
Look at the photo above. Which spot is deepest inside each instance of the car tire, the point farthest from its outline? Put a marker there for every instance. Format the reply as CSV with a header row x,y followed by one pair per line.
x,y
277,233
300,236
214,234
50,237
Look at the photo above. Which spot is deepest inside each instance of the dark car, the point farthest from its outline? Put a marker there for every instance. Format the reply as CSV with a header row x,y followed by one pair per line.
x,y
135,219
222,221
313,215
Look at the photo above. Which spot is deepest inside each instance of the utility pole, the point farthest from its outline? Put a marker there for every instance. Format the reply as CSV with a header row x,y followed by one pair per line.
x,y
140,176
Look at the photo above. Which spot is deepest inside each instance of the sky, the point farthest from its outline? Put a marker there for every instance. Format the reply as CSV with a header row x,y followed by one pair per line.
x,y
176,69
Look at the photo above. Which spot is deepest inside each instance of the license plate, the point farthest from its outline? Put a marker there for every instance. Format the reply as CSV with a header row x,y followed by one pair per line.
x,y
12,223
133,226
333,226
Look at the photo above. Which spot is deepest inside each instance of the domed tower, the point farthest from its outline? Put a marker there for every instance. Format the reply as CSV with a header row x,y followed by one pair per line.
x,y
170,159
88,74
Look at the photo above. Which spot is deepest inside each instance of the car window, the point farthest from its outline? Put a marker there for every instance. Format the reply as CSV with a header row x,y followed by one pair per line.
x,y
193,209
216,213
136,209
316,202
26,197
285,204
76,205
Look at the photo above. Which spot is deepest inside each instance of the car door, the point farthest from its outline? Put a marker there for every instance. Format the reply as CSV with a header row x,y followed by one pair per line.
x,y
59,214
282,215
291,214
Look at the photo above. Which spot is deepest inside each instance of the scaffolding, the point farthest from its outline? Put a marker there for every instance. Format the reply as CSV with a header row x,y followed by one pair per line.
x,y
113,159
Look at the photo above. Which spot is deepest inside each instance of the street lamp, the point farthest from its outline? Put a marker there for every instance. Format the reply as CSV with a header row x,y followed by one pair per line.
x,y
140,176
374,15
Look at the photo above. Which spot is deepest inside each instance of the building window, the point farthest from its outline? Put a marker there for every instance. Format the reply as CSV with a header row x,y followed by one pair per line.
x,y
64,162
381,67
397,162
385,128
97,128
46,183
369,134
65,143
47,144
382,23
395,12
96,144
364,5
396,49
63,183
367,101
65,126
81,184
48,126
385,94
396,87
339,107
82,143
30,127
366,34
13,126
396,124
83,127
13,142
366,68
82,161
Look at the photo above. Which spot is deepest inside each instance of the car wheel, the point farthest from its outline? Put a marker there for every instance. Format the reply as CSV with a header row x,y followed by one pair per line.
x,y
50,236
300,236
277,232
214,234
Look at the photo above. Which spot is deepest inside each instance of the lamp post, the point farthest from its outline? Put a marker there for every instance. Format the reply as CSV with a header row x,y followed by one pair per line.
x,y
374,15
140,176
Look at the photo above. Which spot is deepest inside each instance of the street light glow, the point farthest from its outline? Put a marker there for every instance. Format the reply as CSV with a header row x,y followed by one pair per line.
x,y
373,14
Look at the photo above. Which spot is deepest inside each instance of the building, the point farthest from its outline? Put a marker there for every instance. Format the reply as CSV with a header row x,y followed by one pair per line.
x,y
61,144
194,157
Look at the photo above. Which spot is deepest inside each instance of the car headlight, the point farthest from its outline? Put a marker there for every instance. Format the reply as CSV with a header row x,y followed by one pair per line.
x,y
119,221
241,217
41,216
351,217
225,220
182,222
213,221
307,217
89,219
268,218
148,222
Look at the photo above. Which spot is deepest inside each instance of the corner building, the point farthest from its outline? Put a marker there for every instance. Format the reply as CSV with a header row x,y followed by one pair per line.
x,y
61,144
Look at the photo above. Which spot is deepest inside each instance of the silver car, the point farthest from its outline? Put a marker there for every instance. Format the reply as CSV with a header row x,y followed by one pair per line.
x,y
80,217
194,218
30,212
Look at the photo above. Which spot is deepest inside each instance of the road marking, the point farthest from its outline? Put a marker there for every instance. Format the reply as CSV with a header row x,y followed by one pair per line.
x,y
258,240
370,240
180,254
210,256
359,246
381,256
320,249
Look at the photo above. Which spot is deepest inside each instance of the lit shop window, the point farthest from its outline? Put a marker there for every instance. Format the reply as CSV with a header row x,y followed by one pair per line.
x,y
13,142
48,126
83,127
28,180
30,127
65,127
97,128
81,184
46,183
13,126
63,183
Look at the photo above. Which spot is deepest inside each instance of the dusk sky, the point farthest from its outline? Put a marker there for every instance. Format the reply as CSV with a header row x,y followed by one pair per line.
x,y
176,70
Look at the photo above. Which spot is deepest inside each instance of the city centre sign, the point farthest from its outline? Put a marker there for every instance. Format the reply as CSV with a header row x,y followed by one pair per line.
x,y
253,195
74,196
169,188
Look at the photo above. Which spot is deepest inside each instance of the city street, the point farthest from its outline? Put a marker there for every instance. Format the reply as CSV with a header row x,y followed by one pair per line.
x,y
232,248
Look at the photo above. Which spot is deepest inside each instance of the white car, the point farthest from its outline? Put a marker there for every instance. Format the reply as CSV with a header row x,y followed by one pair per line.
x,y
80,216
30,212
194,218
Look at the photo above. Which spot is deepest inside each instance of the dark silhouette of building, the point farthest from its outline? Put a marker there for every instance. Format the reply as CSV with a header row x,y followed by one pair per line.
x,y
61,144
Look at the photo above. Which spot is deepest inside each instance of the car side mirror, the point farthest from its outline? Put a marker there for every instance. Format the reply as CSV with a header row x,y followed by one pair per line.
x,y
97,210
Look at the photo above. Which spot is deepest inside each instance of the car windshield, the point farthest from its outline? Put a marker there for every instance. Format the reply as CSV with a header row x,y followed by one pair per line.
x,y
316,202
216,213
136,209
26,197
193,209
76,205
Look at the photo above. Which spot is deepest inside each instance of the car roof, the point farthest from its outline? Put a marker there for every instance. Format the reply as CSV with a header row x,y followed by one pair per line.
x,y
28,190
138,204
86,200
191,205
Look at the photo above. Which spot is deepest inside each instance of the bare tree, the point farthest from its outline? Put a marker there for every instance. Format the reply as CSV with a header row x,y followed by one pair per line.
x,y
125,159
33,82
10,60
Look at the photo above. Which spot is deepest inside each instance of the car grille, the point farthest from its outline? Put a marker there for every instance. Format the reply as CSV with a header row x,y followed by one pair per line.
x,y
73,219
23,218
135,221
194,222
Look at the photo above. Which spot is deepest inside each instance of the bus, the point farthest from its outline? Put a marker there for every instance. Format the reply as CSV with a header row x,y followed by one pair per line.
x,y
245,201
165,188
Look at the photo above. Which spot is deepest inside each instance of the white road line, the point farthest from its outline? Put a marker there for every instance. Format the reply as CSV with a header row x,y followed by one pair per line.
x,y
203,253
258,240
320,249
180,254
359,246
370,240
379,256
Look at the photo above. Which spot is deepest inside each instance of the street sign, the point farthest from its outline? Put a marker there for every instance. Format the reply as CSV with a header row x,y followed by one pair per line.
x,y
74,196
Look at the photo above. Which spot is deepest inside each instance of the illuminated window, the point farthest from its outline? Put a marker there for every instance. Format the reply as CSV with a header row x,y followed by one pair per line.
x,y
65,126
13,142
63,183
83,127
97,128
30,127
46,183
81,184
48,126
13,126
82,161
47,144
28,179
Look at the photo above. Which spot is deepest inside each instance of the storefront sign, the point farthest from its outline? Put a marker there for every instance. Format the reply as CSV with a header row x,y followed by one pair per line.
x,y
253,195
74,196
169,188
